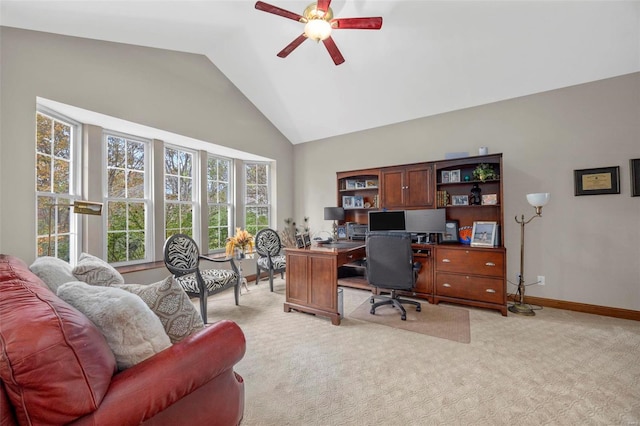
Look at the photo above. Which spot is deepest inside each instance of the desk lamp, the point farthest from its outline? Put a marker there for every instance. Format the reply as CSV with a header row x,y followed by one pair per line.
x,y
335,214
538,201
79,207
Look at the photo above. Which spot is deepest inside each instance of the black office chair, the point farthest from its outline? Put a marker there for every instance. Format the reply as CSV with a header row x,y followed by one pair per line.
x,y
269,247
182,259
390,266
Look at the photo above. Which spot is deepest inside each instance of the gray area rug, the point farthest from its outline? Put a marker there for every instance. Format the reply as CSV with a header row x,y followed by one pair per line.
x,y
432,320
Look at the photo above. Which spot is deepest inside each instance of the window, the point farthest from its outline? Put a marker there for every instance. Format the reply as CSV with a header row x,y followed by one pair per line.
x,y
127,198
178,192
56,232
219,201
257,202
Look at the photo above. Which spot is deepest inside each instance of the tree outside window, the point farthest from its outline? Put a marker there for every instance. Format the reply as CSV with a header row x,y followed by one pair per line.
x,y
126,199
178,193
54,149
257,200
218,201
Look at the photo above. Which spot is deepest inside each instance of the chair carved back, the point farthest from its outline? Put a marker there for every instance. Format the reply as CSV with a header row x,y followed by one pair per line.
x,y
268,243
181,254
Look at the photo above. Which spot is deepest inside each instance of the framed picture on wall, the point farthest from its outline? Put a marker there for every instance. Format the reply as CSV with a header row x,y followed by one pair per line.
x,y
603,180
634,167
483,234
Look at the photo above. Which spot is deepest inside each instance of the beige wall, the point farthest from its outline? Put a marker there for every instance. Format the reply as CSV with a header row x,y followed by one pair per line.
x,y
588,247
177,92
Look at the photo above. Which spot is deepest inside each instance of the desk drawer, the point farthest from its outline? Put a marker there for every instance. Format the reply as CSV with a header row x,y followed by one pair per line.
x,y
470,287
469,261
350,256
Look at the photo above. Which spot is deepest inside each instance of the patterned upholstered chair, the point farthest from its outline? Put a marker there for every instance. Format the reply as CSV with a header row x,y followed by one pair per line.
x,y
182,258
269,247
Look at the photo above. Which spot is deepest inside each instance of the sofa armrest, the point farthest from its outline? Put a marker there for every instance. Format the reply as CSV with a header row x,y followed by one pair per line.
x,y
142,391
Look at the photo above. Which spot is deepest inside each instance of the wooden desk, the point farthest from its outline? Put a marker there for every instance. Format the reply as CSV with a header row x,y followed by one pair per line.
x,y
312,277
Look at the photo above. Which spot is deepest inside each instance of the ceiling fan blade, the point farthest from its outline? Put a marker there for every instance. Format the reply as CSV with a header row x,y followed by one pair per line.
x,y
323,5
291,46
333,50
357,23
260,5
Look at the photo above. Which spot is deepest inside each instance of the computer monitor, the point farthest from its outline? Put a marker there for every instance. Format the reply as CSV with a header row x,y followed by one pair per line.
x,y
428,221
386,220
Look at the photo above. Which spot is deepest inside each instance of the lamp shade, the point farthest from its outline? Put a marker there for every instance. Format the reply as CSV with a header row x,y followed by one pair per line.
x,y
538,199
333,213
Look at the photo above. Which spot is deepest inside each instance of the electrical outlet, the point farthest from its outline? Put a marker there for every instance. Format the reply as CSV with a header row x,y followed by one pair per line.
x,y
540,279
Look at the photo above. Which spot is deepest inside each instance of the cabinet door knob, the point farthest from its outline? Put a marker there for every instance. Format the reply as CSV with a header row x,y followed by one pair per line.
x,y
490,290
446,261
446,285
490,264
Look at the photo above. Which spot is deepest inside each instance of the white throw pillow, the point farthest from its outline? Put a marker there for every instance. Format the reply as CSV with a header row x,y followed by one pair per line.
x,y
171,304
53,271
95,271
132,330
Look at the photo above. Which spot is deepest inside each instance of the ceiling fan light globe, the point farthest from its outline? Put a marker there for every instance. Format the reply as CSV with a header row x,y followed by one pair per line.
x,y
317,29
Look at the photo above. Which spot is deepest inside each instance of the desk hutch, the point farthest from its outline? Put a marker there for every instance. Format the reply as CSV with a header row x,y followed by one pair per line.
x,y
452,272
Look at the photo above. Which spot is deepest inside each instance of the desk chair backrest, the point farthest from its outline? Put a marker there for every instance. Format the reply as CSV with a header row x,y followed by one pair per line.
x,y
390,260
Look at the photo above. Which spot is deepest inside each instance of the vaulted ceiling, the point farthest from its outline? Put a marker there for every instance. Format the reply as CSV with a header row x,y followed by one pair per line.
x,y
429,57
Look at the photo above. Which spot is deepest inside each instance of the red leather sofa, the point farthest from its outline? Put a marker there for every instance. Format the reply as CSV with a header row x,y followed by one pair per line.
x,y
56,367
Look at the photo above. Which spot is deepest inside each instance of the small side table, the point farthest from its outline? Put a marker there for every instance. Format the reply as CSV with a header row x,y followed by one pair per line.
x,y
239,257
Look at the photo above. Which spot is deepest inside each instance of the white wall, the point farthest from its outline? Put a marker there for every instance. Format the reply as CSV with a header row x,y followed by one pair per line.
x,y
587,247
181,93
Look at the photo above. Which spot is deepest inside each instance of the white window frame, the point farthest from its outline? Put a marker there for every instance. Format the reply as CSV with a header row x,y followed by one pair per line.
x,y
195,190
146,200
75,168
231,202
245,185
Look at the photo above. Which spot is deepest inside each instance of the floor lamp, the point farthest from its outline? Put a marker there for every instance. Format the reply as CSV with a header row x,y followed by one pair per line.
x,y
538,201
79,207
335,214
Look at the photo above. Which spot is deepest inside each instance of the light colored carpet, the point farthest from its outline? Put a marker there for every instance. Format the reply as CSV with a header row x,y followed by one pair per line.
x,y
557,368
433,320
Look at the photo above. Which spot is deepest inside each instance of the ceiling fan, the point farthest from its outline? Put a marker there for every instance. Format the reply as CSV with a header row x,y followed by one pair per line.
x,y
319,21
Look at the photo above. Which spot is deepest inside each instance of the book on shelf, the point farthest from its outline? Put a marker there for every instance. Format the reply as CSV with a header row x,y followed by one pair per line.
x,y
442,198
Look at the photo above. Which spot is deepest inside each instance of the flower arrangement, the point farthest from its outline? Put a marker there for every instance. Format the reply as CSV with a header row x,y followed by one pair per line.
x,y
242,240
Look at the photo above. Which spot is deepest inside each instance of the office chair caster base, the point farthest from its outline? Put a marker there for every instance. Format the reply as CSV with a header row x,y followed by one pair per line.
x,y
403,317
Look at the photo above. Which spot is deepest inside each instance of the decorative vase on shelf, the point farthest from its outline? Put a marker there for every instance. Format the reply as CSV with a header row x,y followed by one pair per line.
x,y
475,199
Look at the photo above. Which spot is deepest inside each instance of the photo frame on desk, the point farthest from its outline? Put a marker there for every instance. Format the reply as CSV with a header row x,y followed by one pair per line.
x,y
347,202
483,234
451,232
299,241
306,239
342,232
